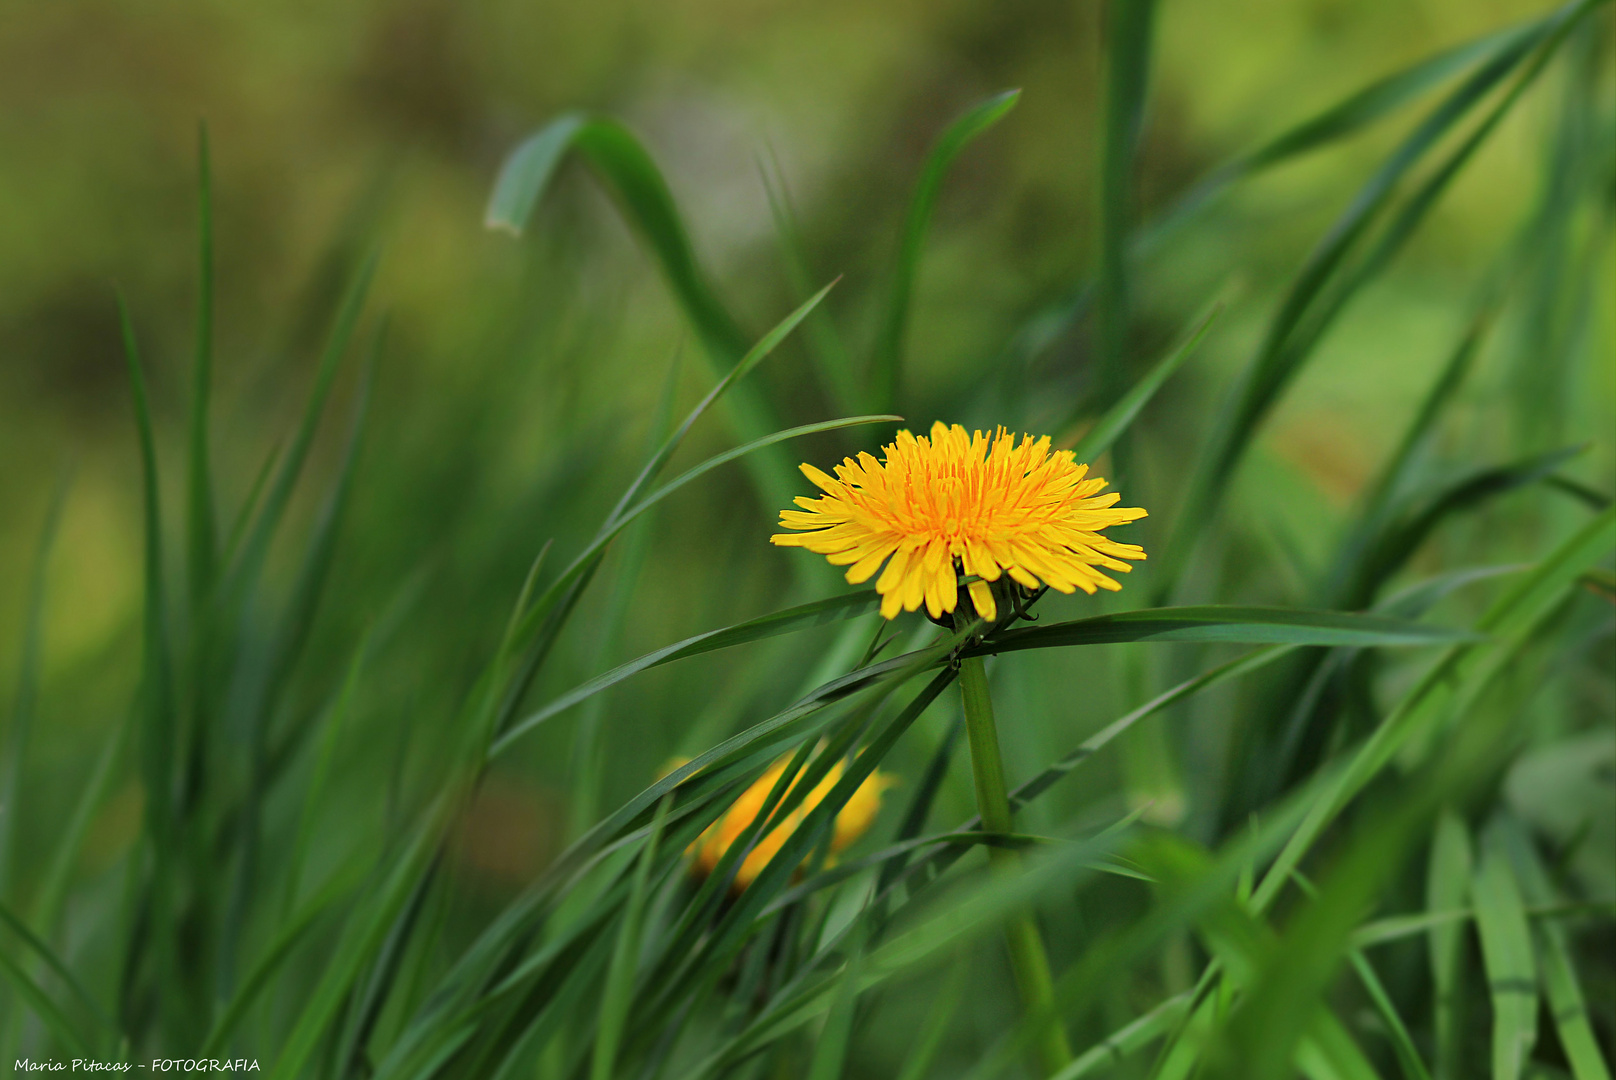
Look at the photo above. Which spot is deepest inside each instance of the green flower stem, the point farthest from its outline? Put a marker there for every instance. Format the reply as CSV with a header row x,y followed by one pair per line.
x,y
1027,957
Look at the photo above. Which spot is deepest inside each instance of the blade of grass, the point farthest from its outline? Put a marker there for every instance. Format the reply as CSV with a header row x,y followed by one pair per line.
x,y
1224,623
886,362
788,621
1556,961
290,638
201,529
1447,886
929,1039
619,159
25,703
1121,415
588,764
620,515
1506,950
1310,306
1389,551
157,727
49,958
831,357
1344,119
362,937
256,544
615,999
1128,25
1459,678
34,996
293,929
830,1049
1128,1040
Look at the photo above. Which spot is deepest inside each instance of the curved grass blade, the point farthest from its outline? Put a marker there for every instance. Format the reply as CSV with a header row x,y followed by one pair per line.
x,y
1228,624
201,528
831,358
25,703
292,931
620,516
1325,283
46,954
156,702
1458,679
886,363
255,545
43,1007
1506,950
618,158
917,1065
788,621
1556,962
363,936
619,990
1390,550
1120,416
1128,26
1354,113
1447,887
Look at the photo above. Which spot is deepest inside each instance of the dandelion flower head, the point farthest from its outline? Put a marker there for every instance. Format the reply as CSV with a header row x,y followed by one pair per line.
x,y
984,505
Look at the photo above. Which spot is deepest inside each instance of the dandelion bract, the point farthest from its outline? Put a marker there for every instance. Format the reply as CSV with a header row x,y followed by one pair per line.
x,y
984,505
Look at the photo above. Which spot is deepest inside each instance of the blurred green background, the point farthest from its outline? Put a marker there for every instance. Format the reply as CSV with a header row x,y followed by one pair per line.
x,y
519,379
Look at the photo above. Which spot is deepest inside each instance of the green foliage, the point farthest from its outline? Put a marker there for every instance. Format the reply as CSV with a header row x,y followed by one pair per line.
x,y
1385,856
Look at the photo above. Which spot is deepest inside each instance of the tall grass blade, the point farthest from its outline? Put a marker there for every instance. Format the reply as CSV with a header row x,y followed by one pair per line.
x,y
158,749
1345,119
1506,949
1326,282
201,528
25,704
621,161
615,999
788,621
929,1039
1128,25
1447,886
1224,623
37,1000
1120,416
886,363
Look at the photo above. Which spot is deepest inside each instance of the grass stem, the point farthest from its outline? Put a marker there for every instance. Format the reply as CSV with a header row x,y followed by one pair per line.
x,y
1027,957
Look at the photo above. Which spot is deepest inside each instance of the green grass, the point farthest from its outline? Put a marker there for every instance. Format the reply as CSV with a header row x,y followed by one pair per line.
x,y
1338,865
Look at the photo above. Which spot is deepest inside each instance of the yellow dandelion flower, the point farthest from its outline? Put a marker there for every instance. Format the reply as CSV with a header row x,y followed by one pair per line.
x,y
982,505
853,821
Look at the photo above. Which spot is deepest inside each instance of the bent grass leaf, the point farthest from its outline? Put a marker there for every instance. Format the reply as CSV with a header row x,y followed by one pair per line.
x,y
621,161
788,621
1227,624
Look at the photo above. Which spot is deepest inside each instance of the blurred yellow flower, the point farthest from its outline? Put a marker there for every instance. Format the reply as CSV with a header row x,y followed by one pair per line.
x,y
979,504
854,820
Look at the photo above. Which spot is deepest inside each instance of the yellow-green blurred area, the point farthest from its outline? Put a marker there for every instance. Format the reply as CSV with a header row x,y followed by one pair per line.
x,y
518,380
